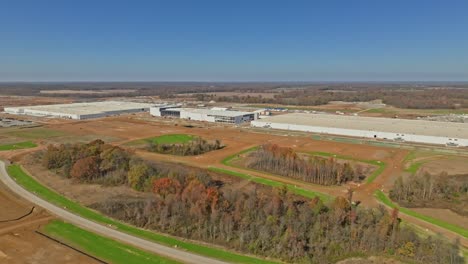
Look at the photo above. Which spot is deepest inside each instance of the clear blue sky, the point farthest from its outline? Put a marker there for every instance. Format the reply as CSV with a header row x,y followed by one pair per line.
x,y
233,40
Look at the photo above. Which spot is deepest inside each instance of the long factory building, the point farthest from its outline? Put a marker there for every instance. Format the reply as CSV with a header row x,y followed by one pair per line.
x,y
420,131
207,115
80,111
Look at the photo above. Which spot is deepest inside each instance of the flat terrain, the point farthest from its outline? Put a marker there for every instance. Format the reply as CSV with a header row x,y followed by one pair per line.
x,y
6,101
263,95
164,139
91,92
124,129
451,165
19,243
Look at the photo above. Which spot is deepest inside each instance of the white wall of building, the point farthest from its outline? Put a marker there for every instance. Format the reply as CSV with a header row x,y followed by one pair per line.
x,y
363,133
222,116
155,111
196,116
72,113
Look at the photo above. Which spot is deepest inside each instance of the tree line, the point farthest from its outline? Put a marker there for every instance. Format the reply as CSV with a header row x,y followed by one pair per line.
x,y
286,162
433,191
403,98
194,147
257,219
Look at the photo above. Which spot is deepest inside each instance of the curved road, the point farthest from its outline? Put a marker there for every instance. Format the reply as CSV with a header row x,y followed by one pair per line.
x,y
158,249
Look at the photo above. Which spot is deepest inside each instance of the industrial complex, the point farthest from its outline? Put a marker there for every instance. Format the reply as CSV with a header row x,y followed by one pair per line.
x,y
420,131
80,111
429,132
208,115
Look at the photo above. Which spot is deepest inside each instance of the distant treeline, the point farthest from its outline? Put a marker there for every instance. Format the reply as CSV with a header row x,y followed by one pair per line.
x,y
286,162
196,146
423,96
432,191
256,219
417,99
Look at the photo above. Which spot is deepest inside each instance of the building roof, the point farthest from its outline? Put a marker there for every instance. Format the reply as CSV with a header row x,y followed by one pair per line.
x,y
216,112
404,126
86,108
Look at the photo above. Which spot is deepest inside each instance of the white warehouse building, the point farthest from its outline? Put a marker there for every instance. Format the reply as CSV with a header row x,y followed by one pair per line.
x,y
420,131
208,115
80,110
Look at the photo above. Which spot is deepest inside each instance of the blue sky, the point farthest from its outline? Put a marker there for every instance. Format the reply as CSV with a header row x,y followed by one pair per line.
x,y
233,40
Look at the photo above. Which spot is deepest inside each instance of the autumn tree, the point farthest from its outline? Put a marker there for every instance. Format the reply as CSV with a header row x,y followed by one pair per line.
x,y
86,169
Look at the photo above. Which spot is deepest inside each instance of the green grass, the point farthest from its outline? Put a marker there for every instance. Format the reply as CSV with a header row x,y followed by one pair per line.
x,y
35,133
172,139
381,196
16,172
101,247
19,145
381,165
229,159
268,182
165,139
414,167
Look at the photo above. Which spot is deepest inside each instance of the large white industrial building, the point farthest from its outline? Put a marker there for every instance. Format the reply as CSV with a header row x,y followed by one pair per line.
x,y
80,110
429,132
208,115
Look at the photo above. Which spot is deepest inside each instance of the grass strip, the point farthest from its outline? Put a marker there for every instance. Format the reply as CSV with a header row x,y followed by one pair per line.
x,y
36,133
227,161
30,184
414,167
381,165
101,247
164,139
292,188
19,145
382,197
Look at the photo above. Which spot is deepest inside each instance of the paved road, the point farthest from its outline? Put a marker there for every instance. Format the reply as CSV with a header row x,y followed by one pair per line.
x,y
84,223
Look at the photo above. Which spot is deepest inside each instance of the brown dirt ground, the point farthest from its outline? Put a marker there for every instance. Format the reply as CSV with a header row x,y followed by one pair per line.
x,y
132,127
6,101
452,165
18,241
444,214
264,95
370,260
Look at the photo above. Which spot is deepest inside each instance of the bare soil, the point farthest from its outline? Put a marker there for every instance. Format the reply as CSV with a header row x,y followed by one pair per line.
x,y
370,260
126,128
19,243
6,101
264,95
444,214
452,165
105,91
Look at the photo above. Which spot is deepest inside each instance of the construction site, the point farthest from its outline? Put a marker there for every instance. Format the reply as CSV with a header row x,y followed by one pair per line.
x,y
419,131
79,111
383,163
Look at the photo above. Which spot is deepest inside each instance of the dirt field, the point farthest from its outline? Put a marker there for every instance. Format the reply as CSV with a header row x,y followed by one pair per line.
x,y
19,243
444,214
452,165
122,129
6,101
127,128
67,92
264,95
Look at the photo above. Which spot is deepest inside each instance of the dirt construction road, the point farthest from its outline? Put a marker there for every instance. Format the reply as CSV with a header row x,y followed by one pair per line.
x,y
100,229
